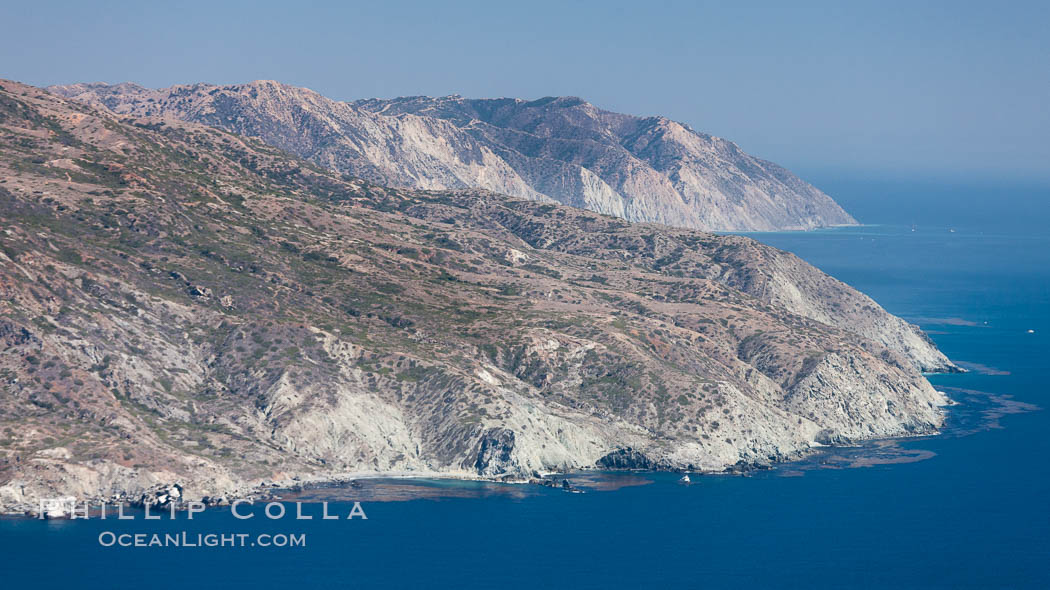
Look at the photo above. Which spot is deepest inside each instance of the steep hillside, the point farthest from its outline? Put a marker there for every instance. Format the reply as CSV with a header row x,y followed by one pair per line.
x,y
647,169
182,305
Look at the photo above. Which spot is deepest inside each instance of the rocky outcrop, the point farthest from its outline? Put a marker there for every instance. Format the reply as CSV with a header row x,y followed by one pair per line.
x,y
495,452
556,148
625,459
180,305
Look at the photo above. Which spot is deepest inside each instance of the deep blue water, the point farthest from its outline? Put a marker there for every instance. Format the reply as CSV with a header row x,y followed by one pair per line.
x,y
974,515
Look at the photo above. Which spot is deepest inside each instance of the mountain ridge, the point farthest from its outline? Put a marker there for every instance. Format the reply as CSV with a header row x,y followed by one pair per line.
x,y
564,149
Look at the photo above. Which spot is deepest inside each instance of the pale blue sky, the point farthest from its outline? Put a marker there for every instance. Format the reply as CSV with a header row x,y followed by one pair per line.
x,y
954,88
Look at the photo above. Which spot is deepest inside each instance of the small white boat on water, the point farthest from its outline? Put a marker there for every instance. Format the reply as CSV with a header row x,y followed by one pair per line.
x,y
685,479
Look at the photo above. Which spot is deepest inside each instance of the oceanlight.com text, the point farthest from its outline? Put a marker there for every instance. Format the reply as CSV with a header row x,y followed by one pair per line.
x,y
184,539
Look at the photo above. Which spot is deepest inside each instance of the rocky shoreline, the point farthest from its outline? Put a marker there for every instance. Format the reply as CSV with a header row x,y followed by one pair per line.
x,y
171,498
979,413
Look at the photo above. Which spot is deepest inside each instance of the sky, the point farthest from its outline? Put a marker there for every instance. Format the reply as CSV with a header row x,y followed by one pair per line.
x,y
954,89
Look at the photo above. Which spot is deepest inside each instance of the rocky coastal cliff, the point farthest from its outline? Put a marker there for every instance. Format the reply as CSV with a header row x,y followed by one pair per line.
x,y
562,149
181,305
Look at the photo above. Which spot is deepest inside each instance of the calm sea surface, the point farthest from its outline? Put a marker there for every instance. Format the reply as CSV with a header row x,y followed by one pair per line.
x,y
970,508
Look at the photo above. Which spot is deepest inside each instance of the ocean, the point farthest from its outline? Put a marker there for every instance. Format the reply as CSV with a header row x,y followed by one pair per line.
x,y
970,263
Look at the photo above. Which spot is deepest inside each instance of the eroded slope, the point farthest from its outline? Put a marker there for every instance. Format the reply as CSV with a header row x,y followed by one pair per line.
x,y
178,304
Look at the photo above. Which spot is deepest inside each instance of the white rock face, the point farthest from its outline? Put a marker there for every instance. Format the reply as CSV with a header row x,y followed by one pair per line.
x,y
555,148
